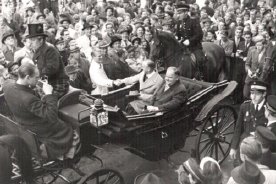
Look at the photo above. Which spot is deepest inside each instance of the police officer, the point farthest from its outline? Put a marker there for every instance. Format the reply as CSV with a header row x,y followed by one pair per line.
x,y
189,32
251,115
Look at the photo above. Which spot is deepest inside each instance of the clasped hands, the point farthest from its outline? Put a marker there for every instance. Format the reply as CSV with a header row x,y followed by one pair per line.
x,y
117,82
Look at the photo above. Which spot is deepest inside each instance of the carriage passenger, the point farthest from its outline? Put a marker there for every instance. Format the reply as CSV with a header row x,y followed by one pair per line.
x,y
39,115
149,81
170,95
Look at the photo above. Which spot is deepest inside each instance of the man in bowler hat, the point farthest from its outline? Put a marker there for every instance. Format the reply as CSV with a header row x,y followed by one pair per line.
x,y
251,115
48,60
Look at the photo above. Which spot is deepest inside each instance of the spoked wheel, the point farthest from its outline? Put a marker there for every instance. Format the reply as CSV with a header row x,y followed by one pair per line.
x,y
103,176
215,137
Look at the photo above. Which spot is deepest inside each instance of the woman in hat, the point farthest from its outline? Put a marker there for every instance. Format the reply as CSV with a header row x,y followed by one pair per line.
x,y
9,45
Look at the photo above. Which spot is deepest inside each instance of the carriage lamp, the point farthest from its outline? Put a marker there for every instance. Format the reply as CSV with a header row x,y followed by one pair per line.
x,y
98,116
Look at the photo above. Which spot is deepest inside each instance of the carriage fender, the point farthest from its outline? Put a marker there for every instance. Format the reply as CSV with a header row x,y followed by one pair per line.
x,y
208,107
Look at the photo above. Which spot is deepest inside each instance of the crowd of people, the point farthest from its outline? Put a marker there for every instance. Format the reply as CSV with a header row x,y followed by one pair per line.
x,y
105,45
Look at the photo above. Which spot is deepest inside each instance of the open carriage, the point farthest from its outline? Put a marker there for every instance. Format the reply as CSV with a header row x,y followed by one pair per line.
x,y
151,135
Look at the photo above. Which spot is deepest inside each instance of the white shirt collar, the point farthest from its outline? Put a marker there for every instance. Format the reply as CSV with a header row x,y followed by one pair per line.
x,y
260,105
150,75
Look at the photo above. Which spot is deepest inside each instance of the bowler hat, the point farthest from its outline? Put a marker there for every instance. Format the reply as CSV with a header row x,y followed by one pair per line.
x,y
40,15
71,69
35,30
64,17
149,178
193,168
258,85
271,103
6,35
265,136
115,38
76,49
248,173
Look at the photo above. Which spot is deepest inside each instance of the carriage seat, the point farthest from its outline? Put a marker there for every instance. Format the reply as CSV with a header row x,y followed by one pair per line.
x,y
192,88
69,107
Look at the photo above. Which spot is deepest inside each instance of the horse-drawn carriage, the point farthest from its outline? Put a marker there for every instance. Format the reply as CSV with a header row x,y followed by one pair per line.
x,y
150,135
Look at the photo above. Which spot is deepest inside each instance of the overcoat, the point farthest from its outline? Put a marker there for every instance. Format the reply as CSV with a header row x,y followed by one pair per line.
x,y
50,64
40,116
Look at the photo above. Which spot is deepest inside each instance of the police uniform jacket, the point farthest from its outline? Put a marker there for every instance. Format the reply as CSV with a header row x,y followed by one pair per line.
x,y
40,116
190,29
249,118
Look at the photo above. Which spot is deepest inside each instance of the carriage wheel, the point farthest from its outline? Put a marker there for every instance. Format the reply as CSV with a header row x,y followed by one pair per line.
x,y
104,176
216,134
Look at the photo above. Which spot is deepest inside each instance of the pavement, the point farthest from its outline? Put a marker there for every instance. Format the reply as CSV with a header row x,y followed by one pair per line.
x,y
114,156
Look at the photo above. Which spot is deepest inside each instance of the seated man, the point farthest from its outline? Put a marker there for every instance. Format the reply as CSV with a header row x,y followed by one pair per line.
x,y
169,96
38,115
149,81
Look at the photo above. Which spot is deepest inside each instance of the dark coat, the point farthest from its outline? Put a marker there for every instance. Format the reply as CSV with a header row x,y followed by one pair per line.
x,y
272,127
50,64
247,122
40,116
190,29
170,99
269,159
246,48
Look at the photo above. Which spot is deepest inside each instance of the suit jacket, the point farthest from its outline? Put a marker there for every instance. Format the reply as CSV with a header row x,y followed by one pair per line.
x,y
148,86
238,46
40,116
147,89
253,63
170,99
246,48
247,121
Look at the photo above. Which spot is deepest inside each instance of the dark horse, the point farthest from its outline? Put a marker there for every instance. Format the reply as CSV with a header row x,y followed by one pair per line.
x,y
14,145
166,49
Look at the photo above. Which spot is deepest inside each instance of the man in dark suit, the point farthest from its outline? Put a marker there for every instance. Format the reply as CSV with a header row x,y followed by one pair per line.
x,y
38,115
171,95
256,65
48,60
251,115
270,114
247,43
